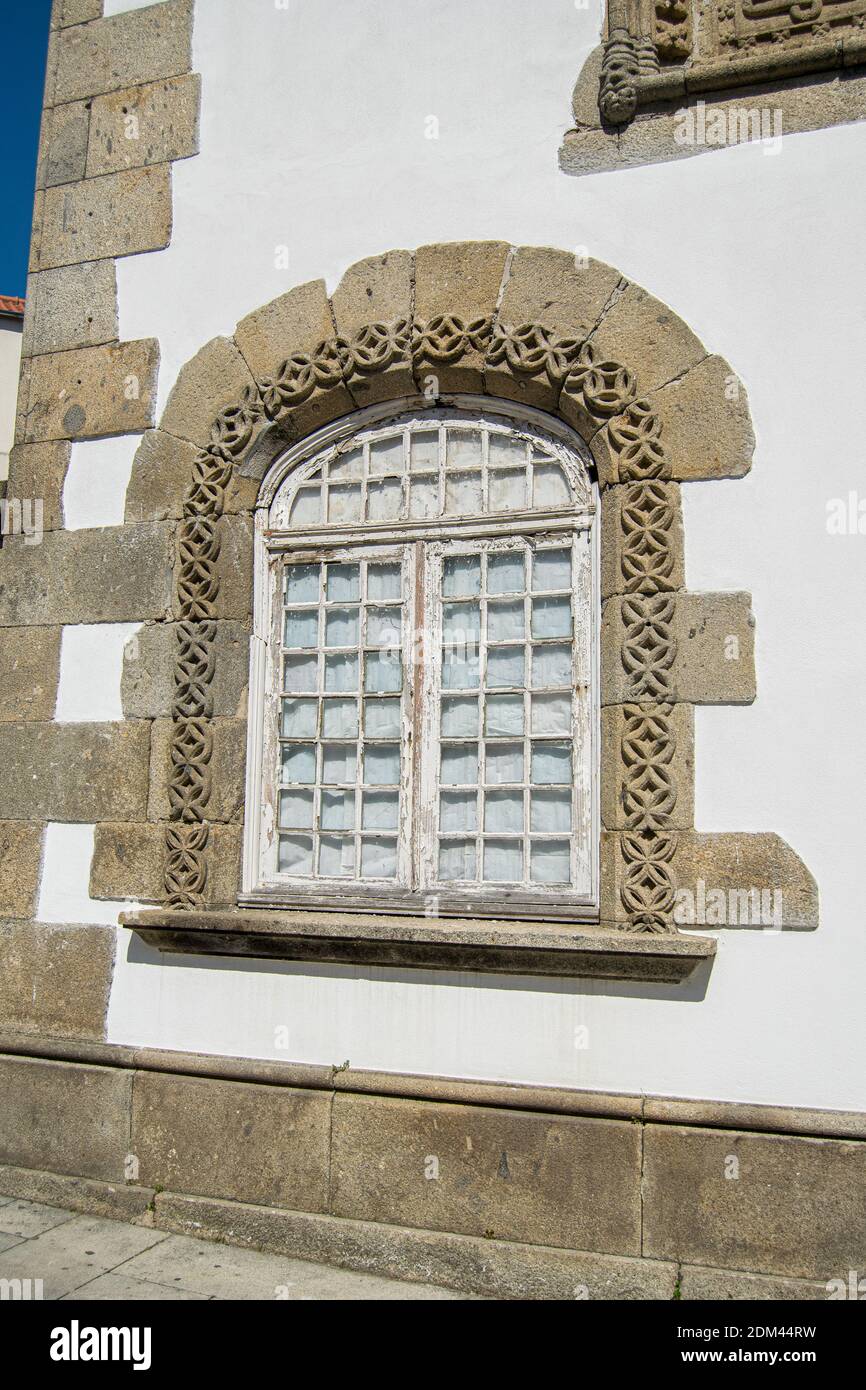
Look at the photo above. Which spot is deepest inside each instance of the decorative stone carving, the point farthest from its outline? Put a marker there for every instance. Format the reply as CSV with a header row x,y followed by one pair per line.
x,y
596,391
673,47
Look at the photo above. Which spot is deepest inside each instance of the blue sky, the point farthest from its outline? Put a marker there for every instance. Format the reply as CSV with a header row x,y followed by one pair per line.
x,y
24,44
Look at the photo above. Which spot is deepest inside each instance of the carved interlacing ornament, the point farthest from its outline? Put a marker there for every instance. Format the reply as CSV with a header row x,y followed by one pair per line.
x,y
600,392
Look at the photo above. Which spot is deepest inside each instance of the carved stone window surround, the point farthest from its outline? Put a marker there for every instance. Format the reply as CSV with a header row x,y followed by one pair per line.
x,y
646,765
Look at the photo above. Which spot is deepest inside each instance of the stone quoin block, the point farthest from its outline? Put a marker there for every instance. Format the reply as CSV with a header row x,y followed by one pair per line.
x,y
74,772
298,322
697,648
151,124
29,668
643,334
509,1174
232,1139
148,689
227,770
377,290
461,278
215,378
20,859
109,575
563,293
115,215
706,427
63,149
66,12
129,862
93,391
55,980
737,879
797,1206
133,47
74,306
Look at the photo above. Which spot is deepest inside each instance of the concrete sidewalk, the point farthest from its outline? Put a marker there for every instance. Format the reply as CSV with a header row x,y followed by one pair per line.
x,y
86,1258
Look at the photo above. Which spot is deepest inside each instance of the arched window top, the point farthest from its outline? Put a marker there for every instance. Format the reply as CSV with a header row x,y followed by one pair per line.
x,y
437,466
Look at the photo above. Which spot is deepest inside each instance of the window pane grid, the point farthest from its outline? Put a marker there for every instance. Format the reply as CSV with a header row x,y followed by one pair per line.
x,y
507,797
427,471
340,752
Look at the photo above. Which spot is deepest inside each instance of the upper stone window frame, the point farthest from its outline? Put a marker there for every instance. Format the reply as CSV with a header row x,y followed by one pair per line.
x,y
274,539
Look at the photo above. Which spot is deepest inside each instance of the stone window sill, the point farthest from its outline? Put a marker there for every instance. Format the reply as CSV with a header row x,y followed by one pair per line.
x,y
513,948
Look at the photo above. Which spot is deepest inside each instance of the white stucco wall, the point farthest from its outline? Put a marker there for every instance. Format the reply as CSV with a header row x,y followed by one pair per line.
x,y
10,363
313,138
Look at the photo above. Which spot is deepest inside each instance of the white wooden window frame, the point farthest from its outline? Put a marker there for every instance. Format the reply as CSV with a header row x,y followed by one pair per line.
x,y
423,542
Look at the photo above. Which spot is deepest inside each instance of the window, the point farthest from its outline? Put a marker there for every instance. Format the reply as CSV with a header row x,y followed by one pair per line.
x,y
425,688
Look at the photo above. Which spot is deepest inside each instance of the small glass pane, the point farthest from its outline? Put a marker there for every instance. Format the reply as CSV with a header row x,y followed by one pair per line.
x,y
301,628
463,448
458,811
307,507
456,860
341,627
505,449
506,621
300,718
381,810
550,812
384,627
300,672
424,451
460,669
383,671
348,465
551,569
382,764
336,856
551,666
386,455
551,714
459,718
423,498
505,666
382,718
340,719
503,812
295,854
341,671
338,810
503,861
505,573
385,500
459,765
383,582
299,762
503,715
343,583
550,861
461,576
461,624
296,810
549,486
551,764
506,491
462,493
302,583
504,763
379,859
551,617
344,502
339,762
